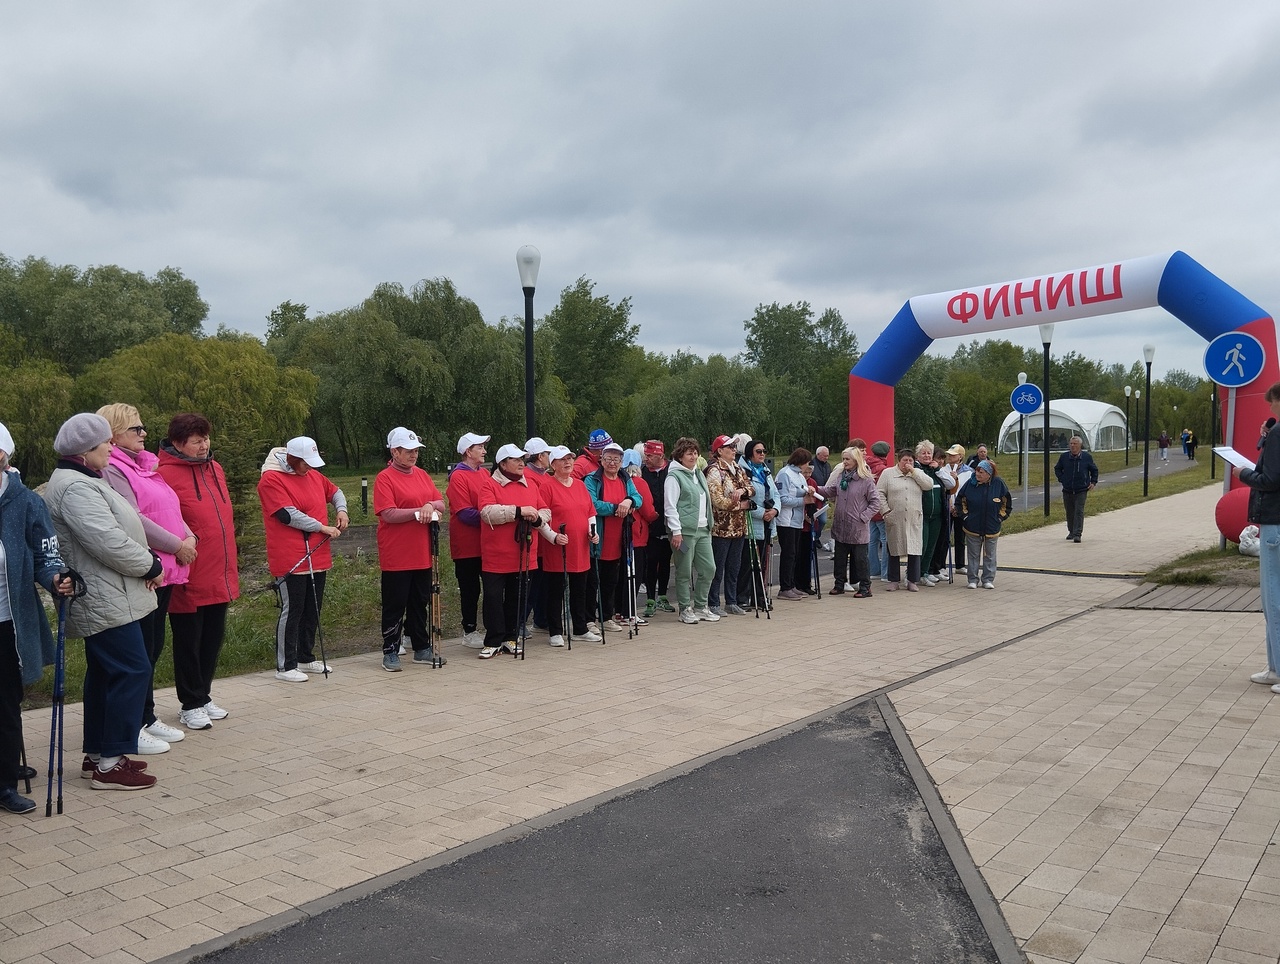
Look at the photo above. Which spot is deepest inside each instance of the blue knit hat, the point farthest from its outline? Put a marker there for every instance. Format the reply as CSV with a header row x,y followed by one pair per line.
x,y
598,440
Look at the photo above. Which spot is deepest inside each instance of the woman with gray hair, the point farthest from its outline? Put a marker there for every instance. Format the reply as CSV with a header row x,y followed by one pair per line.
x,y
102,538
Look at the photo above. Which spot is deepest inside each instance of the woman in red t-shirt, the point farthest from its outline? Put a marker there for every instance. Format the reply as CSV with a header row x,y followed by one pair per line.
x,y
568,553
615,498
405,500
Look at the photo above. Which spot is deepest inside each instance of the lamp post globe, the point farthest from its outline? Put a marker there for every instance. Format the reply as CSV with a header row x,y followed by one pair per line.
x,y
528,260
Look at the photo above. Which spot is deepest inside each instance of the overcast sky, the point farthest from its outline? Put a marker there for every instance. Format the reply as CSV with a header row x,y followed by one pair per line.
x,y
700,157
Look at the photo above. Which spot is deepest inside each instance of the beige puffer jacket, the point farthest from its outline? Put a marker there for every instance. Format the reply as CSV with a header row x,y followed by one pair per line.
x,y
102,538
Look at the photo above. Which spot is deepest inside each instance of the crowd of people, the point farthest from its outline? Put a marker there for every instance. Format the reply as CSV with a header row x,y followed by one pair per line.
x,y
140,545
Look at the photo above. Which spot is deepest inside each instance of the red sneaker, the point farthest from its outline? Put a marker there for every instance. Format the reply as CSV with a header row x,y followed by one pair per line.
x,y
88,766
122,776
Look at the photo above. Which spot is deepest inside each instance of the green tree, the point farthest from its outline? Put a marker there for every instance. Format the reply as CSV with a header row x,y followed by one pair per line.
x,y
181,298
36,400
592,340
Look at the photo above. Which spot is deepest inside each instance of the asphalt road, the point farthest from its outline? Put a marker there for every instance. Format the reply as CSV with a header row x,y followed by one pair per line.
x,y
817,846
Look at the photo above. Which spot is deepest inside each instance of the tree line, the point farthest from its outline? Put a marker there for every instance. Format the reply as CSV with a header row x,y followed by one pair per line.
x,y
72,340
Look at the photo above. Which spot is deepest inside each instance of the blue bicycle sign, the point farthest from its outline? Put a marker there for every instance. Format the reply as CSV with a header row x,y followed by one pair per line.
x,y
1026,399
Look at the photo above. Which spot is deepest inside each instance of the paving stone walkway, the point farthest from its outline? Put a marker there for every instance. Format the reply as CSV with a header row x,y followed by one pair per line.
x,y
1114,772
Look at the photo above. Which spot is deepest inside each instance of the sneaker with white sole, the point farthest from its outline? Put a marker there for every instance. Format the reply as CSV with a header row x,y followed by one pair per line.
x,y
733,609
488,652
588,637
1266,677
557,641
404,650
122,776
611,626
706,615
512,648
197,719
315,666
473,640
291,676
988,585
688,616
391,662
214,711
163,731
593,626
973,585
716,610
664,605
88,765
149,745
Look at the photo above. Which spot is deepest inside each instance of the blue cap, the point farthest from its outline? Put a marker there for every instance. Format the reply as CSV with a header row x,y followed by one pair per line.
x,y
598,439
630,458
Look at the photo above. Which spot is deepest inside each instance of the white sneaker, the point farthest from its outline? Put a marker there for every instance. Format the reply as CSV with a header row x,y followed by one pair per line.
x,y
611,626
988,585
471,640
315,666
291,676
1267,677
973,585
163,731
403,650
148,744
930,579
589,637
688,615
706,615
961,570
556,641
593,626
214,711
197,719
488,652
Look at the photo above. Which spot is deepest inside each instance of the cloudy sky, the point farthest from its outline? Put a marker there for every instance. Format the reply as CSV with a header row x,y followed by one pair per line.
x,y
700,157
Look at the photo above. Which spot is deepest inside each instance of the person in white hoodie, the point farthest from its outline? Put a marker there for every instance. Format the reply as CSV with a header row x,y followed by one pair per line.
x,y
689,517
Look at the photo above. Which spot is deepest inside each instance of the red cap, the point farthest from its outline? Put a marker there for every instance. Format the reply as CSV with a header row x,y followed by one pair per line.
x,y
720,442
653,447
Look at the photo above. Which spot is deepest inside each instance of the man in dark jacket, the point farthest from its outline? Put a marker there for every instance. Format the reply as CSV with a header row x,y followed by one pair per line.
x,y
1078,474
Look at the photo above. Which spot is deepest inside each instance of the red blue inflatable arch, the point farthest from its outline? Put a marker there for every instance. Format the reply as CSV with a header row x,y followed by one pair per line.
x,y
1174,282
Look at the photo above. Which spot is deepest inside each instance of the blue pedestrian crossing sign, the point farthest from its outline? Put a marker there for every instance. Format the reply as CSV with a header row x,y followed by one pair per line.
x,y
1234,359
1026,399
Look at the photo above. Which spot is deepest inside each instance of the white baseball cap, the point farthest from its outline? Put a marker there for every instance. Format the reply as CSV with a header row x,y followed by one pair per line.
x,y
468,440
559,452
509,451
612,447
6,441
536,446
401,438
305,448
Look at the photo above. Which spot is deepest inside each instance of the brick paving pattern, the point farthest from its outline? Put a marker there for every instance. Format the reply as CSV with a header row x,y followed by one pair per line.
x,y
1113,772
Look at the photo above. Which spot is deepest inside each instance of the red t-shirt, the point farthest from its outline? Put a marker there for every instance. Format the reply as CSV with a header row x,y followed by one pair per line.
x,y
614,491
463,490
540,480
644,516
403,545
286,546
499,551
571,506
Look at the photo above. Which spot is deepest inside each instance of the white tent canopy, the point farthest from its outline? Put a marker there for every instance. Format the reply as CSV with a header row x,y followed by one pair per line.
x,y
1101,426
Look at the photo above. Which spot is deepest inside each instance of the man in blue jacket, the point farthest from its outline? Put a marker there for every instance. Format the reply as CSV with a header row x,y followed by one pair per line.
x,y
1078,474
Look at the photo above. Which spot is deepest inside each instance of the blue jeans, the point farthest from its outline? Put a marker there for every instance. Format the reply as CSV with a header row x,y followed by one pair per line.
x,y
728,556
878,549
1269,580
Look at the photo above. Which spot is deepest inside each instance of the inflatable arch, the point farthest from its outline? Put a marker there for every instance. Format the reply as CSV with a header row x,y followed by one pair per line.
x,y
1174,282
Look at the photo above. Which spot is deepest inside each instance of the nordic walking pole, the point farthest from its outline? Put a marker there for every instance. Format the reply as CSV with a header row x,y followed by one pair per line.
x,y
813,561
55,720
765,566
435,628
523,531
632,629
566,617
753,567
315,601
595,565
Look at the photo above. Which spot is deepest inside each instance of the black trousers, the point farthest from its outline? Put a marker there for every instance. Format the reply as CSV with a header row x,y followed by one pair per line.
x,y
804,561
197,643
153,627
501,606
657,567
553,584
753,570
299,619
610,597
957,526
406,594
853,565
10,707
895,568
467,572
789,543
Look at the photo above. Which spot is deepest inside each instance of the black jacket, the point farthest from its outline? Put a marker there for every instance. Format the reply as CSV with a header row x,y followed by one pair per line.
x,y
1076,474
1264,482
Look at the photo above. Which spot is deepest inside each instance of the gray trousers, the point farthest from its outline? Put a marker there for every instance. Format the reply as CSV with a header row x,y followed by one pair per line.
x,y
1073,502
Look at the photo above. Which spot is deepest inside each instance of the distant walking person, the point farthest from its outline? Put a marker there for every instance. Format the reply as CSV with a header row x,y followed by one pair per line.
x,y
1164,442
1263,481
1078,474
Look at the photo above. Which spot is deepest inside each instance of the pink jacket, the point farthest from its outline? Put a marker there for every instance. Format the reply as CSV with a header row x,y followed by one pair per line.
x,y
136,478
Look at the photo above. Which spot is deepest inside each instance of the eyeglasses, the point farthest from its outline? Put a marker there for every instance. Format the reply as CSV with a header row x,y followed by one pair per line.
x,y
612,458
759,452
137,429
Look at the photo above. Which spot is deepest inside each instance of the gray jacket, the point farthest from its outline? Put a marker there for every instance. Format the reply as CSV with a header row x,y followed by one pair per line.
x,y
101,537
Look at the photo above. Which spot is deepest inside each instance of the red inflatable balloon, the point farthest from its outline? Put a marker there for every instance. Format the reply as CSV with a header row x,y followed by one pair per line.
x,y
1232,513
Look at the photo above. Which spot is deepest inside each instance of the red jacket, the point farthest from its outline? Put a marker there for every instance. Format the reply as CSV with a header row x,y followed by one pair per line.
x,y
644,516
206,508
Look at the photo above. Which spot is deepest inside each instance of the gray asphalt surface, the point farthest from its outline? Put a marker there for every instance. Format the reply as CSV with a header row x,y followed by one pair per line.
x,y
1035,495
816,847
